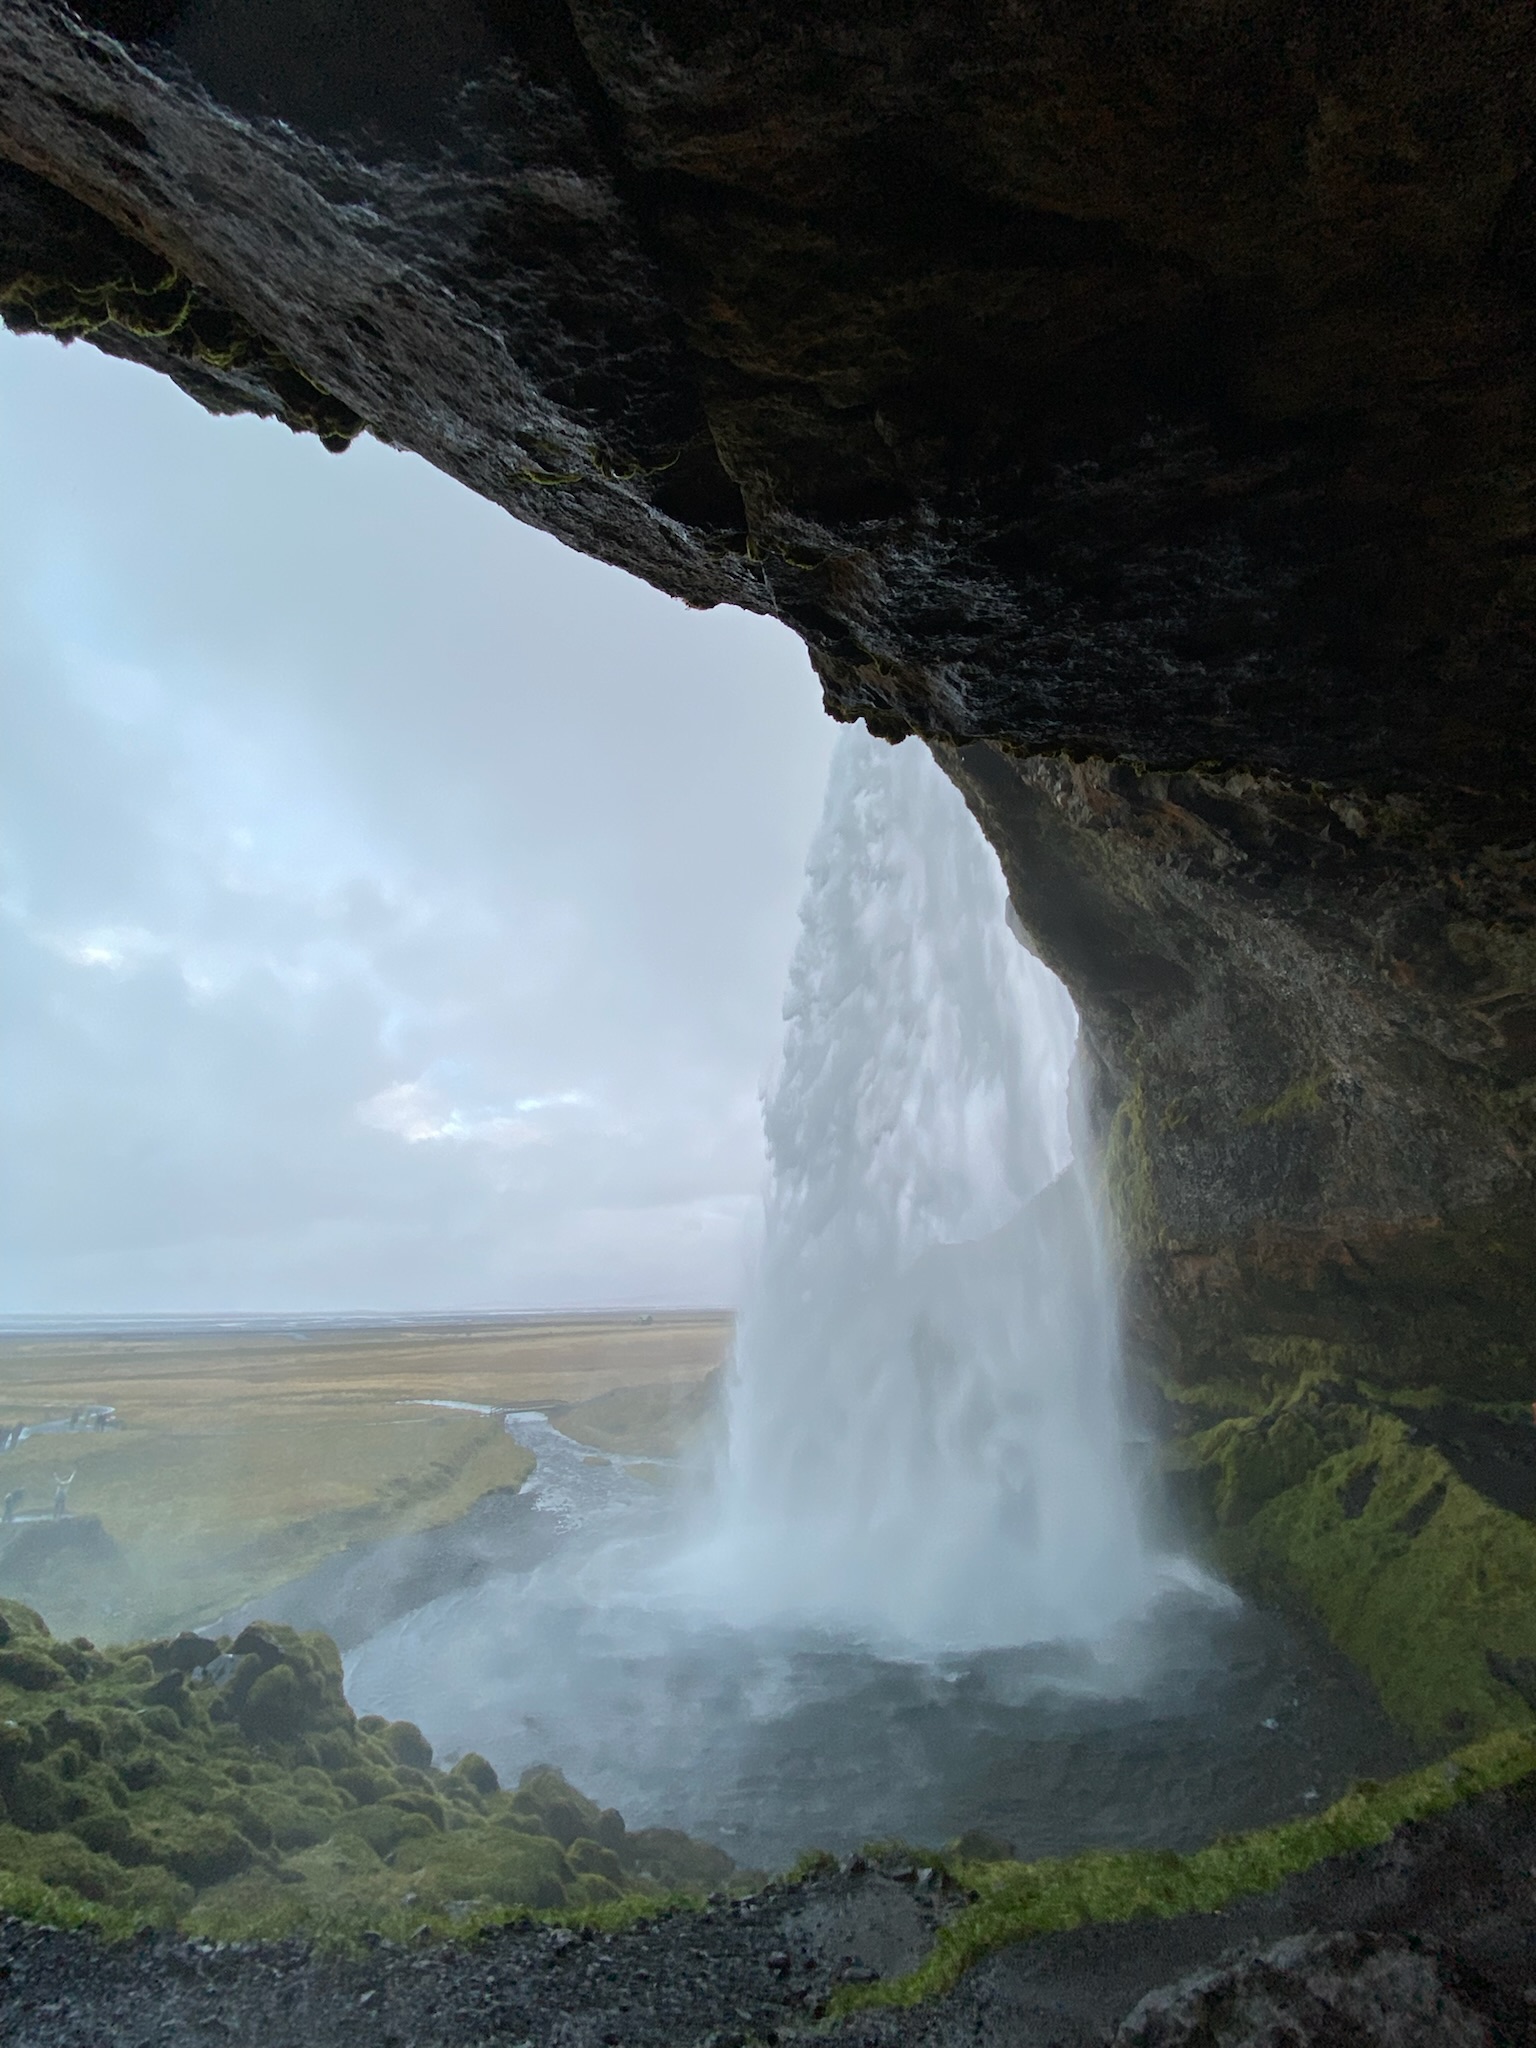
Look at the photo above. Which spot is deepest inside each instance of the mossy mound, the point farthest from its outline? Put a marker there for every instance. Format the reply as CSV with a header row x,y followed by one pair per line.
x,y
227,1787
1330,1496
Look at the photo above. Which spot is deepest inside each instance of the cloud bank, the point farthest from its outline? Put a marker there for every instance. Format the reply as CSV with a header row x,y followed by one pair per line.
x,y
395,906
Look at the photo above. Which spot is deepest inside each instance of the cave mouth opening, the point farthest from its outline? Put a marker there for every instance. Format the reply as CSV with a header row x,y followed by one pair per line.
x,y
913,1591
916,1597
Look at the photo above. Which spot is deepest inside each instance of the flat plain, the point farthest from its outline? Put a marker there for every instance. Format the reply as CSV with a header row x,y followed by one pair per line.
x,y
236,1459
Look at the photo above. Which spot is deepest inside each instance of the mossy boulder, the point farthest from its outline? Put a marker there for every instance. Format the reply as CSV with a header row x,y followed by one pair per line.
x,y
544,1798
669,1857
422,1805
64,1861
290,1822
385,1827
407,1745
32,1670
111,1833
38,1799
185,1653
285,1686
273,1710
500,1865
478,1774
366,1783
200,1848
18,1622
591,1859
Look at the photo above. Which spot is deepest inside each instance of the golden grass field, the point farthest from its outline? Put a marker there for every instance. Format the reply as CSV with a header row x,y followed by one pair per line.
x,y
237,1461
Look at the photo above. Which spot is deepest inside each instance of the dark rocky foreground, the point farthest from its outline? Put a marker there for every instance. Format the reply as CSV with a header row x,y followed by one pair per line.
x,y
1429,1939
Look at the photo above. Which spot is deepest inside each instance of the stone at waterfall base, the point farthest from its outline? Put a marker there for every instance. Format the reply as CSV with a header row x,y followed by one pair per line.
x,y
1374,1990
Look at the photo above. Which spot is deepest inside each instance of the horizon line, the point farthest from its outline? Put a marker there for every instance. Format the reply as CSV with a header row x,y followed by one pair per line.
x,y
81,1318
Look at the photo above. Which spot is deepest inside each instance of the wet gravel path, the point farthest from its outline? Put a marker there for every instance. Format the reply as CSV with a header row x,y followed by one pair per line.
x,y
754,1967
1461,1889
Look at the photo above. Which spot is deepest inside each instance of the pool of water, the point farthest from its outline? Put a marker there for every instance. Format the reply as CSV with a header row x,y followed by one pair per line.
x,y
1203,1716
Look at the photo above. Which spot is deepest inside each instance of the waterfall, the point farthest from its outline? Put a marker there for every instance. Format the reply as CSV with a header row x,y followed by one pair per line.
x,y
926,1443
918,1598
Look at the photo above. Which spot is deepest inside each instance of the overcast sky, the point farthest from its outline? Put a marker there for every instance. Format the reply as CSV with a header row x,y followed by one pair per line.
x,y
395,906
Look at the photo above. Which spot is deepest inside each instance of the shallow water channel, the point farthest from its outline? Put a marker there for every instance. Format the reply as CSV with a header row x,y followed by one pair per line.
x,y
1200,1718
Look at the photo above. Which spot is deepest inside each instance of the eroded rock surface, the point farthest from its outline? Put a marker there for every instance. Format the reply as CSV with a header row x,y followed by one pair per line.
x,y
1375,1991
1152,387
1314,1012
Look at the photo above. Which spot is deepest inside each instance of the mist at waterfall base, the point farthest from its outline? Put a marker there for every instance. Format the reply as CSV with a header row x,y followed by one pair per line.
x,y
926,1447
912,1593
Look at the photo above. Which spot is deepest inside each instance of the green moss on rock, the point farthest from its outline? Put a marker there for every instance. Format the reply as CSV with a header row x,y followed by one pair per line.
x,y
407,1745
1128,1175
31,1670
1326,1497
67,272
228,1788
1445,1302
501,1865
674,1858
477,1773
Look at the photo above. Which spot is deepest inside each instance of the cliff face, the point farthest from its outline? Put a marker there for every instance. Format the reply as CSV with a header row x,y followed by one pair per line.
x,y
1313,1013
1134,401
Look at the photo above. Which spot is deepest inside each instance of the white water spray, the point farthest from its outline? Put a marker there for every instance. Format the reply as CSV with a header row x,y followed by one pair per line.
x,y
926,1441
922,1600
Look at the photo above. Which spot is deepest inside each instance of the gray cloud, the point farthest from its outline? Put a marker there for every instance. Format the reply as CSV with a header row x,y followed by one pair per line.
x,y
395,905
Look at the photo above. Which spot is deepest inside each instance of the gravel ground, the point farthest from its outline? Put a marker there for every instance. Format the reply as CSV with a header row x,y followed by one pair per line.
x,y
758,1966
1443,1920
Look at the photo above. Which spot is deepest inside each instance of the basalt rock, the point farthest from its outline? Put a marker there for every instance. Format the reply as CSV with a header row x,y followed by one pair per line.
x,y
1135,402
1313,1014
1377,1991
